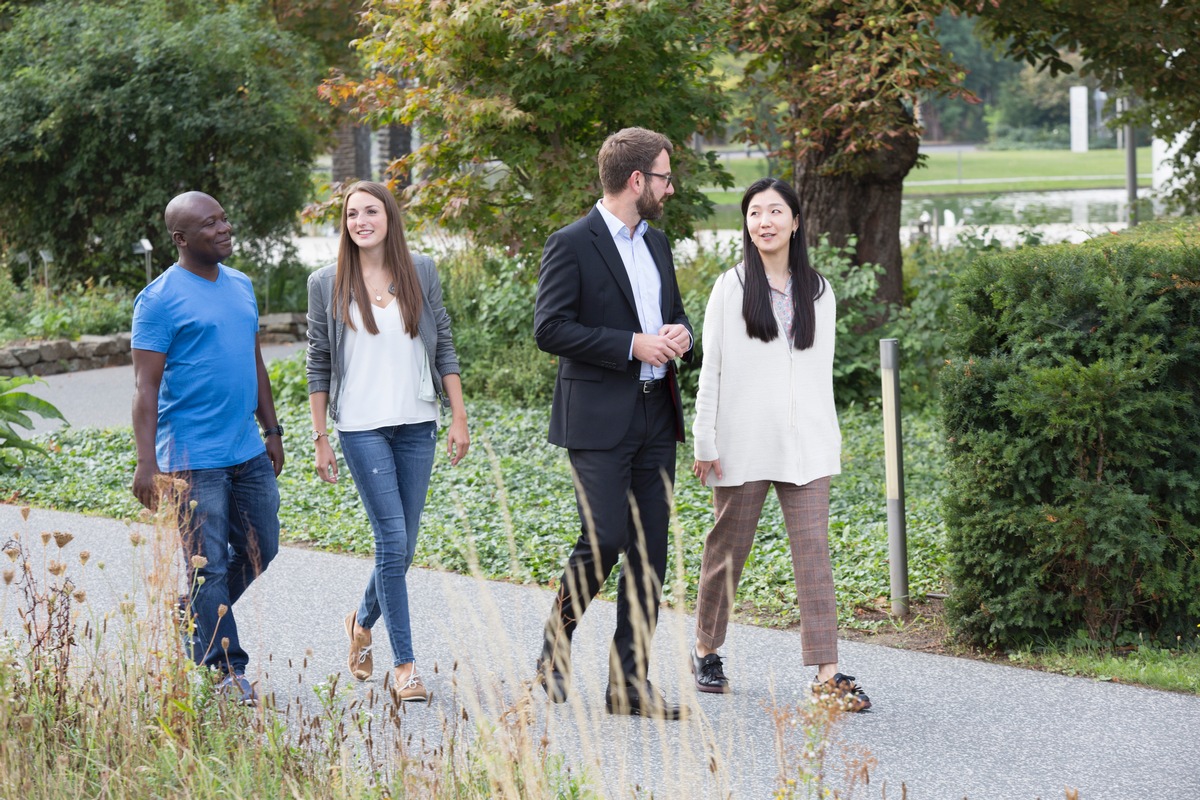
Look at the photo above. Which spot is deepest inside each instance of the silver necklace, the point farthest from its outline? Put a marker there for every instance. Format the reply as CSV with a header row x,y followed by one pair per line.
x,y
379,295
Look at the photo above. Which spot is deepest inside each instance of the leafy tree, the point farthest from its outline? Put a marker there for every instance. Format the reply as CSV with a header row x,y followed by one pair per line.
x,y
329,25
844,75
1145,49
109,109
987,68
513,99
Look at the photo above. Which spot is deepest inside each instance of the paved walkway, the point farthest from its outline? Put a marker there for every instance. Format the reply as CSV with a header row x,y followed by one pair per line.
x,y
944,728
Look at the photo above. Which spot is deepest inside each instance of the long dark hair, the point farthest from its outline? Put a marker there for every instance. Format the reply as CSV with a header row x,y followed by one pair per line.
x,y
397,261
807,283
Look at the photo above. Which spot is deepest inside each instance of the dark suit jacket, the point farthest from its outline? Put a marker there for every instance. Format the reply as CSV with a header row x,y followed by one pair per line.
x,y
586,316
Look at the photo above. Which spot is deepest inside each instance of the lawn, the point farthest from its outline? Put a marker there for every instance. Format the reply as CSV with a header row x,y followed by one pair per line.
x,y
985,171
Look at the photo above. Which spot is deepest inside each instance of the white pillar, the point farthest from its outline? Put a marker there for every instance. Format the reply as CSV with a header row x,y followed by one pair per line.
x,y
1160,153
1079,119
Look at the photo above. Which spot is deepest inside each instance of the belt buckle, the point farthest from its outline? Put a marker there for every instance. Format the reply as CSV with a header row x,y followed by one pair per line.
x,y
649,386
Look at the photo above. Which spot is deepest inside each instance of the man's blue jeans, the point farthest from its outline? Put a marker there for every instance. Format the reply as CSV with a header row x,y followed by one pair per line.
x,y
235,526
391,467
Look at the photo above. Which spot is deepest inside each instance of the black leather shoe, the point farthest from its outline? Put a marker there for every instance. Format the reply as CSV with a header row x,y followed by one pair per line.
x,y
553,680
641,701
710,677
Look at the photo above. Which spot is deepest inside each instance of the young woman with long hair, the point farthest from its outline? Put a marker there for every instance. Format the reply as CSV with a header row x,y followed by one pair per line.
x,y
381,364
765,417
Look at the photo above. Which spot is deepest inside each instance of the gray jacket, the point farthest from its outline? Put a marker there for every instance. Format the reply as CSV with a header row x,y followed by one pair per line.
x,y
325,333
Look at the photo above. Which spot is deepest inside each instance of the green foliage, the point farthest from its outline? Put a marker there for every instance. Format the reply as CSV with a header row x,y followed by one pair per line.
x,y
107,110
289,381
1150,60
82,308
987,70
514,99
279,285
490,298
846,73
15,408
1071,408
856,358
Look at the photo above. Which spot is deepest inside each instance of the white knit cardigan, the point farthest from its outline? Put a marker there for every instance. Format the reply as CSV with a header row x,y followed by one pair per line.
x,y
765,409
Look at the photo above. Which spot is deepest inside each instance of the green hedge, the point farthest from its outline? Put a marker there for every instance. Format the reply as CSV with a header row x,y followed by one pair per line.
x,y
1072,413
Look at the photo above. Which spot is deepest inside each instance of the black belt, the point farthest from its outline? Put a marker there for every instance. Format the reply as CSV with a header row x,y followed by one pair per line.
x,y
653,386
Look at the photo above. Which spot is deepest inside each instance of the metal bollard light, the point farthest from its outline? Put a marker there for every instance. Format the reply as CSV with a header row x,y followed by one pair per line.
x,y
893,453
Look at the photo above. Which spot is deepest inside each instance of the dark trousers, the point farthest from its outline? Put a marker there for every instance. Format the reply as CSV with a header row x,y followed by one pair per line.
x,y
624,498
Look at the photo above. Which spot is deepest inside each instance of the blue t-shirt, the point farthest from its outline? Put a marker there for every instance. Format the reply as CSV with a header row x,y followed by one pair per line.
x,y
209,390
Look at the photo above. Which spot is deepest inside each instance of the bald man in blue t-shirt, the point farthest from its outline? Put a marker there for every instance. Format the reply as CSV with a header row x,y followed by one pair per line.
x,y
200,384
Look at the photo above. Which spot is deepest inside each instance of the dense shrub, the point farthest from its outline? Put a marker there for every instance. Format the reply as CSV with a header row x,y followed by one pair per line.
x,y
89,307
1071,409
490,297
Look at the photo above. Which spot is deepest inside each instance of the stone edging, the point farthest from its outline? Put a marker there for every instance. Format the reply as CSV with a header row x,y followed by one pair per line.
x,y
54,356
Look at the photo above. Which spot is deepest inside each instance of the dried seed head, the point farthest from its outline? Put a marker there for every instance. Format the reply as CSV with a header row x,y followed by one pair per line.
x,y
56,568
192,505
8,576
127,607
199,562
145,515
12,551
62,538
199,580
225,643
136,538
25,513
80,595
222,610
45,537
84,555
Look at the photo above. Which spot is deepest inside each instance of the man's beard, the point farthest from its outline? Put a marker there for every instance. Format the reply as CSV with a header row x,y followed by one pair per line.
x,y
647,207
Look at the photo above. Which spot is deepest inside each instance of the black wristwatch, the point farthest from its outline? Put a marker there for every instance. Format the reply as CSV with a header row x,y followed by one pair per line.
x,y
276,431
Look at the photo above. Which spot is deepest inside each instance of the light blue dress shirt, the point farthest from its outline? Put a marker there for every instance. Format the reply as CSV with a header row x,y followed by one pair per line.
x,y
643,276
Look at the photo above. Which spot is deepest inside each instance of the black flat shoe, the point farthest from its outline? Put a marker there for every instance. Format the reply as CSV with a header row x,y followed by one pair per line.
x,y
553,680
710,676
641,701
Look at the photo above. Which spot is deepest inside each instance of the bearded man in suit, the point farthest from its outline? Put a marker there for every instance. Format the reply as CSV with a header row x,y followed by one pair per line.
x,y
608,306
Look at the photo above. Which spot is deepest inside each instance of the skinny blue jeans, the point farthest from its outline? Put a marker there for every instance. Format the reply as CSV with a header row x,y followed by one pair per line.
x,y
391,467
235,526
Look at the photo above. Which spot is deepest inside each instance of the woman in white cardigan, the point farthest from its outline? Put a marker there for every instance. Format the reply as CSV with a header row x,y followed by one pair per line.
x,y
765,417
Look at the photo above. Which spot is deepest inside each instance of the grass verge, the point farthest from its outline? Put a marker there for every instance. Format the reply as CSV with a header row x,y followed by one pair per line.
x,y
1009,171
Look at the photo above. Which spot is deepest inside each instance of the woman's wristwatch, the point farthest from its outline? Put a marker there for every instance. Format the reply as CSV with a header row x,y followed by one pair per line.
x,y
316,435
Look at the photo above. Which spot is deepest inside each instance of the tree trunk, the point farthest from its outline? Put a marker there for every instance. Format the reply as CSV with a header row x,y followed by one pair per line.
x,y
352,153
395,142
865,205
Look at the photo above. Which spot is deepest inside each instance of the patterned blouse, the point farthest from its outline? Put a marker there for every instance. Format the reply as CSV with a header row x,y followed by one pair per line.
x,y
782,303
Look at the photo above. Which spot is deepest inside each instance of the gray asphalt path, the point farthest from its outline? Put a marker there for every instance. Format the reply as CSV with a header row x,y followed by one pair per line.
x,y
943,728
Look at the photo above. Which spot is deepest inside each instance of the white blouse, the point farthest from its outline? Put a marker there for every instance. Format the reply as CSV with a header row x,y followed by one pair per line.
x,y
384,374
765,409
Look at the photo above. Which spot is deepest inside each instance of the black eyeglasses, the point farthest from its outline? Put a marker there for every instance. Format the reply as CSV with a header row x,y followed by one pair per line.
x,y
666,176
